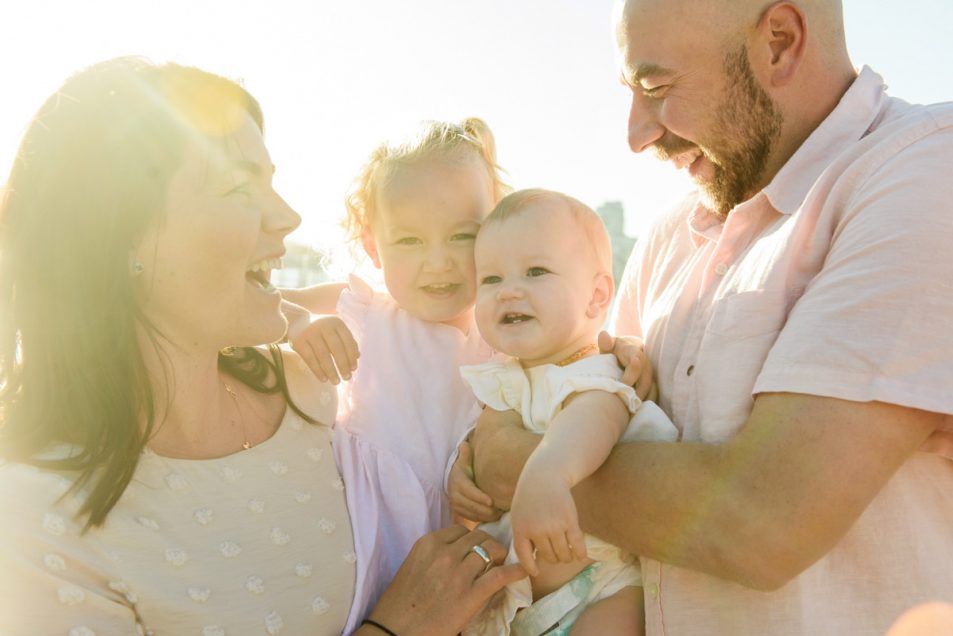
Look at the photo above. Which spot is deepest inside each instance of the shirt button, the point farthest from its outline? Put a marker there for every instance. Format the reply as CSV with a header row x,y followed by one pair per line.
x,y
653,590
691,370
721,269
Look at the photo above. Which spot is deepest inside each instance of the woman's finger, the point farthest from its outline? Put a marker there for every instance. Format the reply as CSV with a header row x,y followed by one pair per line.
x,y
350,346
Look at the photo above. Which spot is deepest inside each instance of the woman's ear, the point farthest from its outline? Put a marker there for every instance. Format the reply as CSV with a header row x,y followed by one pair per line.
x,y
602,289
370,246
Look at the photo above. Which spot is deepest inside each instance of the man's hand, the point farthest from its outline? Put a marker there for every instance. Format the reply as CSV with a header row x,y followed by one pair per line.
x,y
328,348
630,353
500,447
466,500
545,523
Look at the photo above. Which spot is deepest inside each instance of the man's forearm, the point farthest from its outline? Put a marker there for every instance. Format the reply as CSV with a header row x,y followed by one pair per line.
x,y
763,506
500,451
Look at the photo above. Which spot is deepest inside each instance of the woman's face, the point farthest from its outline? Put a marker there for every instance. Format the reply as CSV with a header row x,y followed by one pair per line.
x,y
208,259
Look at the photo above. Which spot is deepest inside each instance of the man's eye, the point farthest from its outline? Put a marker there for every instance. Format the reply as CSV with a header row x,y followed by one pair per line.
x,y
655,91
490,280
536,271
463,236
408,240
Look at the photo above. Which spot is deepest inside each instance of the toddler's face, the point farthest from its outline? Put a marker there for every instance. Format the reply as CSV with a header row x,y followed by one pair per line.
x,y
536,283
423,237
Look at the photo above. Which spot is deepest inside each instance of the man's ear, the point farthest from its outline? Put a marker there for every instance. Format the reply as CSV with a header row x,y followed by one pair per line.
x,y
370,246
602,289
780,43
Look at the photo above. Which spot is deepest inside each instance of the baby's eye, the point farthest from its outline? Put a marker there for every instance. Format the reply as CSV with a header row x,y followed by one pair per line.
x,y
532,272
463,236
490,280
408,240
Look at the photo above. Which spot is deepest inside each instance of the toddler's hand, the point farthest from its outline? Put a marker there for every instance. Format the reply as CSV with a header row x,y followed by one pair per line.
x,y
466,500
328,348
544,519
630,353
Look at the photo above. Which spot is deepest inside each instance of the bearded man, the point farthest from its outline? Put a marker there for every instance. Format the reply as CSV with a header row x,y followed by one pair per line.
x,y
797,310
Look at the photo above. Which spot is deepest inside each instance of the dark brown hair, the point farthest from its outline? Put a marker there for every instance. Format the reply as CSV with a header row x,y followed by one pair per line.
x,y
89,178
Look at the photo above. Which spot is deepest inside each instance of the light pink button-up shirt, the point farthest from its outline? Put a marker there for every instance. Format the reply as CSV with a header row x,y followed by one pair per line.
x,y
835,280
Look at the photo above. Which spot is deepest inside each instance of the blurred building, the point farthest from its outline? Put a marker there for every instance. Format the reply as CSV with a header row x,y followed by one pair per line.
x,y
614,218
301,266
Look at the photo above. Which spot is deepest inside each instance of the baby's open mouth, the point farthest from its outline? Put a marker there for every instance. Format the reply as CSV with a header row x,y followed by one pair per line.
x,y
514,319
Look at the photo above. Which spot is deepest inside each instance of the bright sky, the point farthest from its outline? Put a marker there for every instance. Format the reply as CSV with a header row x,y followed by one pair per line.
x,y
336,78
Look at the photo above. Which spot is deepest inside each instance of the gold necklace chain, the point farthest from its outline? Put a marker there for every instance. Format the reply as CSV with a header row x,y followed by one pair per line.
x,y
241,416
579,355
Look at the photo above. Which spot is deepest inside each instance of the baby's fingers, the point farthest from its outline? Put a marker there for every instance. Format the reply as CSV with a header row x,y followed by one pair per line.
x,y
561,548
577,542
524,552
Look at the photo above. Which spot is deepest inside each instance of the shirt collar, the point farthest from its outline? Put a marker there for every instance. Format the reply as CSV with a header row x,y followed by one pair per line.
x,y
848,122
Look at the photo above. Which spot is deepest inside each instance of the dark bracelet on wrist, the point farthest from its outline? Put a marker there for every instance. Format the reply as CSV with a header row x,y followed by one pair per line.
x,y
368,621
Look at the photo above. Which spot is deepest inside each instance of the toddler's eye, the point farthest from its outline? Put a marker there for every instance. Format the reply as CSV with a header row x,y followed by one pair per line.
x,y
409,240
463,236
490,280
532,272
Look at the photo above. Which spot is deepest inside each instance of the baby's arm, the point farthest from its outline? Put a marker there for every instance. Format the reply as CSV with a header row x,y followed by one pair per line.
x,y
577,442
326,344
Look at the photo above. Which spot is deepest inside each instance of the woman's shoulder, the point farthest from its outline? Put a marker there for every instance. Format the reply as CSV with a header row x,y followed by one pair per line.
x,y
316,399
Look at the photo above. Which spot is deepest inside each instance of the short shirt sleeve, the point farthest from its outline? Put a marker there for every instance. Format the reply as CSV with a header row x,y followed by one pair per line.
x,y
874,324
354,304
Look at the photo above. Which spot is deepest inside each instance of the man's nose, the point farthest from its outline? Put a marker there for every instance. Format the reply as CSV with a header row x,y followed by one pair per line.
x,y
644,128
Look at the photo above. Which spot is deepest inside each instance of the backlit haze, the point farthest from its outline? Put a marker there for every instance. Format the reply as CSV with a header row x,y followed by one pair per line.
x,y
336,78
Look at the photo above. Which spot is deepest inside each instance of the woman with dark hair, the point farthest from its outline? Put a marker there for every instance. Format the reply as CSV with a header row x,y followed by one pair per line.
x,y
161,472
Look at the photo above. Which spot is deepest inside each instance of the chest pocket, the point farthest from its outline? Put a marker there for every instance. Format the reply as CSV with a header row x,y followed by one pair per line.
x,y
740,332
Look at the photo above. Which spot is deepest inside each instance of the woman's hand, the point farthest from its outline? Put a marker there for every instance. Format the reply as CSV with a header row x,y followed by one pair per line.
x,y
443,583
637,372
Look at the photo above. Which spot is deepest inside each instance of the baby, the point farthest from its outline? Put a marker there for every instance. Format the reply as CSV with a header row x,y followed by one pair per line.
x,y
543,263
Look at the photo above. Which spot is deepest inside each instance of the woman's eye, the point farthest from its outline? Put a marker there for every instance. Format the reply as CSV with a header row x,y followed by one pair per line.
x,y
490,280
536,271
409,240
463,236
243,189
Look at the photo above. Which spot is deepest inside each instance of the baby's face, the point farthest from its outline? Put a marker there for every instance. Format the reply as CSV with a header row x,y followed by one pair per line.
x,y
536,282
424,237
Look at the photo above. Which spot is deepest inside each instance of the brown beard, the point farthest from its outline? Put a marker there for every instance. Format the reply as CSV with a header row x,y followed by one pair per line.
x,y
747,124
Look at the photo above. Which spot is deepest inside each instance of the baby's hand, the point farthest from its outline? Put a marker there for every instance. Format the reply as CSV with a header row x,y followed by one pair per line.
x,y
545,523
328,348
630,353
466,500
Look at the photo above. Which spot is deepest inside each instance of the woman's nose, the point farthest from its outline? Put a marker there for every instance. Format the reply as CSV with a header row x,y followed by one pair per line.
x,y
280,217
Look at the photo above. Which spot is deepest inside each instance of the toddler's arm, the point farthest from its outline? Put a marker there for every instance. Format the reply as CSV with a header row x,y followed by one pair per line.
x,y
318,299
577,442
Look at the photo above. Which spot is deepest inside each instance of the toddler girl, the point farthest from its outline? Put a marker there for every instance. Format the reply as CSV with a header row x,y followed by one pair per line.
x,y
416,208
543,263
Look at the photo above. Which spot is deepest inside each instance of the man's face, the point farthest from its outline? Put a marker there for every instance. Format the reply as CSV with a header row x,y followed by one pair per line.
x,y
695,102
